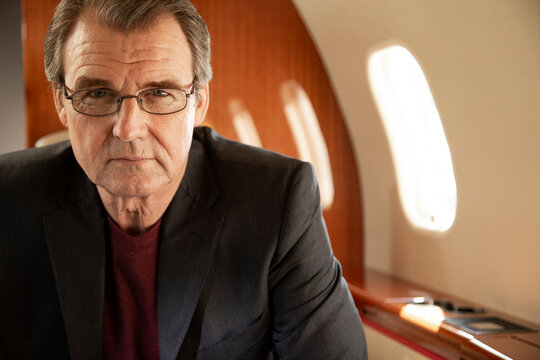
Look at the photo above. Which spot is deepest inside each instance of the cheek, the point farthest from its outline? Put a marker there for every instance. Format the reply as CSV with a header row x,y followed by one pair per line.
x,y
176,141
87,139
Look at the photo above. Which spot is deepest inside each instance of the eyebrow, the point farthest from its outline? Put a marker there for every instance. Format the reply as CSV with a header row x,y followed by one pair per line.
x,y
164,84
86,82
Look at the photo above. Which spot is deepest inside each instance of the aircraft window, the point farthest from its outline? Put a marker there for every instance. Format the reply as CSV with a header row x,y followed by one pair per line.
x,y
422,158
243,124
308,137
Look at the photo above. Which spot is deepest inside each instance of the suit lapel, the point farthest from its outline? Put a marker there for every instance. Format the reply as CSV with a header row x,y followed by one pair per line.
x,y
76,238
187,246
75,234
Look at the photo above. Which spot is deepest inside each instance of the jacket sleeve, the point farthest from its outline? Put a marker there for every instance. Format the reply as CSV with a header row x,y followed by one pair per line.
x,y
314,314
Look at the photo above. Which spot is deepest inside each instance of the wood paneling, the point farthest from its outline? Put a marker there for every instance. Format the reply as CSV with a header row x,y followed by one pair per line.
x,y
256,47
41,118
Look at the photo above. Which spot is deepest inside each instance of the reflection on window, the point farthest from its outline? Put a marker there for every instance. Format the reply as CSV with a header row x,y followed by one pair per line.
x,y
243,124
308,137
422,159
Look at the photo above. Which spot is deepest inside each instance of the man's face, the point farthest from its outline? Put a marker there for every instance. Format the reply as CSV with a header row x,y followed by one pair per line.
x,y
130,153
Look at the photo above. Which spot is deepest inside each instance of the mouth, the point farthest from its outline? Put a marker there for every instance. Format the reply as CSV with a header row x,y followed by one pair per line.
x,y
131,159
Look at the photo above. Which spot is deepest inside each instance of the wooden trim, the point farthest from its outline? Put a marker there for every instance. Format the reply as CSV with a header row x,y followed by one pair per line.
x,y
375,294
401,339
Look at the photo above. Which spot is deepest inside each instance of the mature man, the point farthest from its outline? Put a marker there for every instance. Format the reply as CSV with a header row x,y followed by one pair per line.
x,y
145,238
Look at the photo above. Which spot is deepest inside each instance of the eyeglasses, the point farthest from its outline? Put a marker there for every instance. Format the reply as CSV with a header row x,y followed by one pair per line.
x,y
102,102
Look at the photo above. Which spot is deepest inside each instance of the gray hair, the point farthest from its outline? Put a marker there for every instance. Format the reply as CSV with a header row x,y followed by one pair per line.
x,y
127,16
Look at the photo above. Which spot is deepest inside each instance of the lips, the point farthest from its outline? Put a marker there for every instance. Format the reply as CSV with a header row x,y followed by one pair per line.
x,y
131,159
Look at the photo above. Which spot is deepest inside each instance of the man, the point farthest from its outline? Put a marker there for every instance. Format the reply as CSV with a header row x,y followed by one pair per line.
x,y
144,238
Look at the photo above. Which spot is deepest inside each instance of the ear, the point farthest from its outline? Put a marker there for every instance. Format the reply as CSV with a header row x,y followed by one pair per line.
x,y
59,104
202,104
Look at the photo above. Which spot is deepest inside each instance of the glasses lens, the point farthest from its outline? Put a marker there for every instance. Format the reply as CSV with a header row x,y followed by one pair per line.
x,y
163,101
95,101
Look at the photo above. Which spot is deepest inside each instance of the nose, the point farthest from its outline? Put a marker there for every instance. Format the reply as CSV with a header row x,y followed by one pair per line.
x,y
131,121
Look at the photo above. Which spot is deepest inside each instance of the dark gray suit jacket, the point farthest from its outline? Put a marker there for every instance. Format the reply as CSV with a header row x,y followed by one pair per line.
x,y
245,265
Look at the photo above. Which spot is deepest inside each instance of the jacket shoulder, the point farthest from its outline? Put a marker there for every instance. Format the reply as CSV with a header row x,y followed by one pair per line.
x,y
232,153
33,173
247,177
27,158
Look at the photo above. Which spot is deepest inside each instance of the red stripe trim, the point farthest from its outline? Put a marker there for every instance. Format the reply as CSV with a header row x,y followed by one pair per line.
x,y
409,343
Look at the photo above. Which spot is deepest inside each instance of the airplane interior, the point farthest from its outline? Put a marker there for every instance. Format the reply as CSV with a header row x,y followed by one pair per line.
x,y
421,120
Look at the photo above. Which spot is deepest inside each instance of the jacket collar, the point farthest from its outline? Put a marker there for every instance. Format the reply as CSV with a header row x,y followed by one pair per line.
x,y
190,230
76,235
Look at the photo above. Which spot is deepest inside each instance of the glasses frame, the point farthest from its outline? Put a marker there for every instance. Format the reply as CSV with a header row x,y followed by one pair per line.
x,y
120,98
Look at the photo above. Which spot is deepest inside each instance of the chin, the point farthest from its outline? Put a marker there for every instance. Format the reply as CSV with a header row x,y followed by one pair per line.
x,y
132,187
139,192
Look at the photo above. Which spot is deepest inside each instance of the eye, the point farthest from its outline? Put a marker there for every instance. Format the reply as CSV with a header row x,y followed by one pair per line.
x,y
98,93
159,93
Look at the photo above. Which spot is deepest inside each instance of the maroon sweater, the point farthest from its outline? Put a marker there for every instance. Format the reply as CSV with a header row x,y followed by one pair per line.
x,y
130,314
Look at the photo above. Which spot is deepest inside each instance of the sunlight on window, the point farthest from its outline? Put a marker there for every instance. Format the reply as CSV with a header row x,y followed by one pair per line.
x,y
308,137
243,124
422,158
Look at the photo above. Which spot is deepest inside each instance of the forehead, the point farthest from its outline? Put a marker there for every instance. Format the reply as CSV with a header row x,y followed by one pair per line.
x,y
157,53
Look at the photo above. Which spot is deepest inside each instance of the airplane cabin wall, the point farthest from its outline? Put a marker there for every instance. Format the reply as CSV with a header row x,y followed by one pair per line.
x,y
11,75
482,61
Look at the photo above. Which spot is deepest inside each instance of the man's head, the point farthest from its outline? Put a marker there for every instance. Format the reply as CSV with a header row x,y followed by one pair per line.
x,y
126,48
127,16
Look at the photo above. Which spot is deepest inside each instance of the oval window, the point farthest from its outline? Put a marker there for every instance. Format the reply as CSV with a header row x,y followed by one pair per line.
x,y
422,159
